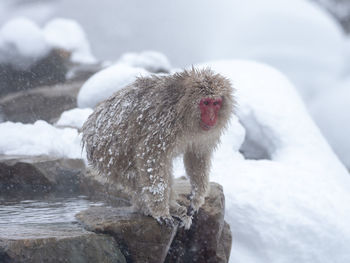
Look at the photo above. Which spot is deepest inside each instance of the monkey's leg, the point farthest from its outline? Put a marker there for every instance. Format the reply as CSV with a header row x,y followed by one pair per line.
x,y
197,166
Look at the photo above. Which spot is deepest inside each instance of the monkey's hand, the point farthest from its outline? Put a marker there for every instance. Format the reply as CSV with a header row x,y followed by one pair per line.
x,y
196,202
180,212
166,220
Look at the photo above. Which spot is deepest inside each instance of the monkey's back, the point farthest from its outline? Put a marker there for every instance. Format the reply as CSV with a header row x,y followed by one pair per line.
x,y
137,120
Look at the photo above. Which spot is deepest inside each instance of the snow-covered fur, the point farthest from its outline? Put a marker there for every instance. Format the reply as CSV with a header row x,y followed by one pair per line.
x,y
133,136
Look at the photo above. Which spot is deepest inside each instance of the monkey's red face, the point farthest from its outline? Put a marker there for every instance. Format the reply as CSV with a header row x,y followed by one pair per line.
x,y
209,112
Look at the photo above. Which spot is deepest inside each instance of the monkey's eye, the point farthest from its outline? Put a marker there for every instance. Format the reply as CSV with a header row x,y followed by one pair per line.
x,y
206,102
217,102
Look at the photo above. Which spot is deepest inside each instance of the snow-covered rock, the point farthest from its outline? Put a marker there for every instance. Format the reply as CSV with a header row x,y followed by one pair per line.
x,y
39,138
105,82
152,61
67,34
22,43
74,118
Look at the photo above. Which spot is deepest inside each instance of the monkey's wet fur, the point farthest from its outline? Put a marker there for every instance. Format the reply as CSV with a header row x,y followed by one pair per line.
x,y
133,136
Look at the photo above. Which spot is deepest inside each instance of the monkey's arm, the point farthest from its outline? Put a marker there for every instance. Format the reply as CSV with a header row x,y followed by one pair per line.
x,y
197,166
154,172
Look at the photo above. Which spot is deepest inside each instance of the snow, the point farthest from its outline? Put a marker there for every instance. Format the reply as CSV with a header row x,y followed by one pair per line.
x,y
67,34
152,61
21,43
298,38
331,111
39,138
74,118
287,203
105,82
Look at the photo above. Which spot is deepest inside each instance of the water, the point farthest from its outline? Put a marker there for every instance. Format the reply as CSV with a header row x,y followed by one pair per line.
x,y
42,218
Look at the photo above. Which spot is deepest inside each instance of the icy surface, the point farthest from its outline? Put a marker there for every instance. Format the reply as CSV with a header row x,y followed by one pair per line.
x,y
21,43
74,118
104,83
39,138
152,61
67,34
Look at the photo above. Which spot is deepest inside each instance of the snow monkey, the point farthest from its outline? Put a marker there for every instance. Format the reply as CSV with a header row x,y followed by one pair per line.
x,y
133,136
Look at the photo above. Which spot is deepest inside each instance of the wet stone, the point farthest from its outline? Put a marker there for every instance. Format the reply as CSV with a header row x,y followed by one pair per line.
x,y
47,231
142,239
76,247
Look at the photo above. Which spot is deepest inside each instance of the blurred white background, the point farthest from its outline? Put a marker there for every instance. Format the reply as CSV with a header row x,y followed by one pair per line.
x,y
300,38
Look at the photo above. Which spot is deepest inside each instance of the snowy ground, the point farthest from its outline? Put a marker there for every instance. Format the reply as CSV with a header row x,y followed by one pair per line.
x,y
287,203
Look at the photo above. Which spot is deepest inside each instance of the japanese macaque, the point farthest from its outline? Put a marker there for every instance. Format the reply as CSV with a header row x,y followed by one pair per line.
x,y
133,137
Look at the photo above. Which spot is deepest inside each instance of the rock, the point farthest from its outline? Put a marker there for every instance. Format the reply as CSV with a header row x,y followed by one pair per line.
x,y
44,176
78,246
49,70
44,103
37,176
139,238
209,238
51,236
142,239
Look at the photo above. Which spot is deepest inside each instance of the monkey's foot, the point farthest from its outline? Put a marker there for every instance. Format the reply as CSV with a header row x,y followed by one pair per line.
x,y
186,222
167,221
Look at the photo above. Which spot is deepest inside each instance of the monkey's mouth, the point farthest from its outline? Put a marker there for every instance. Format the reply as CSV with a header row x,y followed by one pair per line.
x,y
206,127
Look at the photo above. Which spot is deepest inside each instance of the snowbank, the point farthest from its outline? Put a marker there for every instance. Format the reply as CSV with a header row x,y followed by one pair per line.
x,y
22,43
105,82
74,118
39,138
290,203
293,205
67,34
152,61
